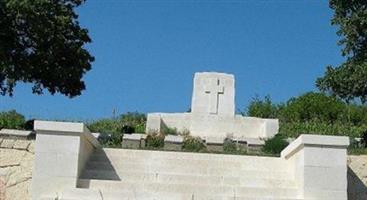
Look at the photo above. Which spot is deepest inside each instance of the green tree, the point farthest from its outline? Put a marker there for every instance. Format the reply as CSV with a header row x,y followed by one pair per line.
x,y
348,80
42,43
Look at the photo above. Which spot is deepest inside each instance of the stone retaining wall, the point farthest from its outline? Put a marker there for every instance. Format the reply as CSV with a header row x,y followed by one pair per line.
x,y
16,163
17,157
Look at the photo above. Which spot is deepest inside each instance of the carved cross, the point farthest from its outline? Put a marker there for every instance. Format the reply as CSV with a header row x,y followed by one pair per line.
x,y
214,89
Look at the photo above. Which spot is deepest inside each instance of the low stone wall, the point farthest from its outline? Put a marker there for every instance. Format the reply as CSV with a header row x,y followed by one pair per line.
x,y
16,163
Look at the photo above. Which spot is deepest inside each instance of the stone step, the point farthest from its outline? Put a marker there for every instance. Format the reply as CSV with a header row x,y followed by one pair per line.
x,y
153,155
249,179
186,189
120,173
169,162
183,166
93,194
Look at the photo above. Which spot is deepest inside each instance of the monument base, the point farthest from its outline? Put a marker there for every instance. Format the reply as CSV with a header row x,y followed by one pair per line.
x,y
214,125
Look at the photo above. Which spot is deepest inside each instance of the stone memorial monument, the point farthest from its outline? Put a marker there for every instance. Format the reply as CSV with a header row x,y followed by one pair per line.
x,y
213,112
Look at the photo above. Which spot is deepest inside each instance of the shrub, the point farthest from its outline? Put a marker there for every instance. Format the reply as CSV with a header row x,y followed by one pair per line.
x,y
312,106
169,131
364,139
275,144
229,146
355,114
193,144
127,129
140,128
105,126
135,121
115,140
262,108
155,140
104,139
294,129
127,123
29,124
12,120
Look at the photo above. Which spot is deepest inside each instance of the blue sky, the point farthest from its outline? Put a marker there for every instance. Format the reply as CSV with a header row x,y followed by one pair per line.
x,y
147,52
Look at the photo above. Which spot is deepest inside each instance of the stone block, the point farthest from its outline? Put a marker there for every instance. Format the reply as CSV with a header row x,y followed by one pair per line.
x,y
214,144
241,143
7,143
325,178
319,166
133,141
31,147
173,142
10,158
96,135
61,151
15,133
21,144
81,194
57,143
254,145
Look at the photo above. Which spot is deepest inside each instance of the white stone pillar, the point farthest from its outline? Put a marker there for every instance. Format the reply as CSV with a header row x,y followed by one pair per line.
x,y
61,151
320,166
154,123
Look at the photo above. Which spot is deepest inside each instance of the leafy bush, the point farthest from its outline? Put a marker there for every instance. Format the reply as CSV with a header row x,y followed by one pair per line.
x,y
355,114
193,144
155,140
105,126
262,108
275,144
115,140
229,146
12,120
140,128
29,124
315,113
135,121
127,123
312,107
113,129
169,131
294,129
364,138
127,129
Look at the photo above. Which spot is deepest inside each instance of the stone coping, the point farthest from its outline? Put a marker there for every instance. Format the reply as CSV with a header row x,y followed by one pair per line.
x,y
214,140
16,133
174,139
314,140
134,136
250,141
65,128
73,127
96,135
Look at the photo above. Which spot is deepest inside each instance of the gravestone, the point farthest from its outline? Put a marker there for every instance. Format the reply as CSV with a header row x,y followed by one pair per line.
x,y
134,140
173,142
213,112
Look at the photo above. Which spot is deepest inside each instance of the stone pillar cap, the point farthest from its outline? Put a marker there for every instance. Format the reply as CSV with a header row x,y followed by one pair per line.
x,y
315,140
